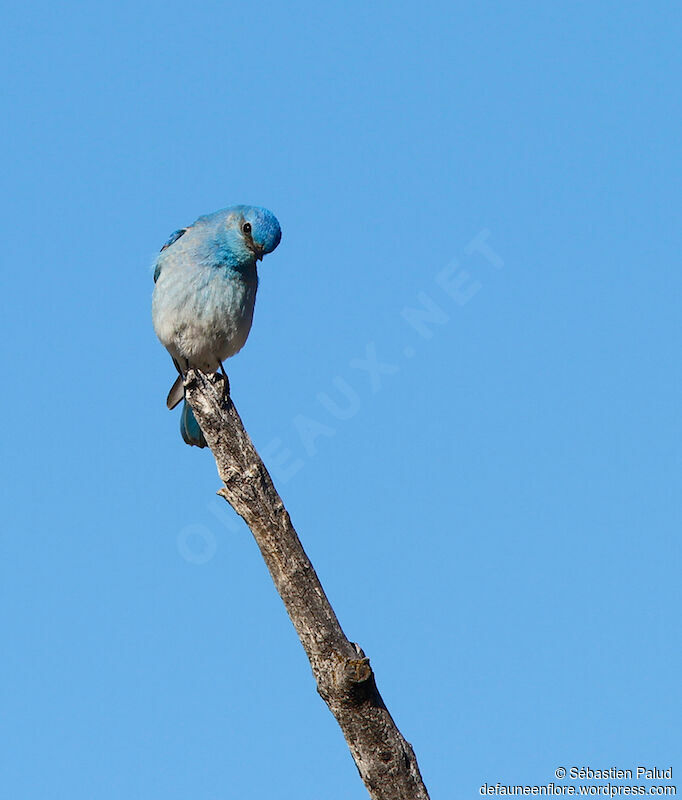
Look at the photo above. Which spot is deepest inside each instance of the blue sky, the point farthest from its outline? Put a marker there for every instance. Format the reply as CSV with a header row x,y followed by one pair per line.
x,y
495,515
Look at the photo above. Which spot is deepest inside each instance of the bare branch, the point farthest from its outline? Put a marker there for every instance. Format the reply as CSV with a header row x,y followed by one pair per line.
x,y
344,677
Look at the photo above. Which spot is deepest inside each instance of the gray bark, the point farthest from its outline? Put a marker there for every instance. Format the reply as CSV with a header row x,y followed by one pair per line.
x,y
385,760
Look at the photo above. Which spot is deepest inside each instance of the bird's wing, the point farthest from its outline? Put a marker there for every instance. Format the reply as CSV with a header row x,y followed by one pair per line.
x,y
172,239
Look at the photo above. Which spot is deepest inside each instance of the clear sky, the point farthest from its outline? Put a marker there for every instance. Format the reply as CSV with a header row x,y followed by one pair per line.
x,y
495,514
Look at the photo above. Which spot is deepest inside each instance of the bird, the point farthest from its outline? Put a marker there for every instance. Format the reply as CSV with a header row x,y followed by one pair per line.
x,y
205,284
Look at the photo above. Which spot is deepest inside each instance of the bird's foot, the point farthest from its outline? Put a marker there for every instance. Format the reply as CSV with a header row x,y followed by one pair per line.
x,y
226,385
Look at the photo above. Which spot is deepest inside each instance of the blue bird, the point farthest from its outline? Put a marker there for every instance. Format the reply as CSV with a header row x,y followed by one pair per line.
x,y
205,283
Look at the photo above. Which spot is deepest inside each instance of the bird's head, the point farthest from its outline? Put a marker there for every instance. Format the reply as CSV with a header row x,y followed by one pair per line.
x,y
251,232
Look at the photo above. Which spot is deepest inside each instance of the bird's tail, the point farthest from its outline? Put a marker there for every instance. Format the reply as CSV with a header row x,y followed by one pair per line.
x,y
189,427
176,394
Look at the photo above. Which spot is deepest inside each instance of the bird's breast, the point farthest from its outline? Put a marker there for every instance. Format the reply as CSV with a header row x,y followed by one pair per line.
x,y
205,316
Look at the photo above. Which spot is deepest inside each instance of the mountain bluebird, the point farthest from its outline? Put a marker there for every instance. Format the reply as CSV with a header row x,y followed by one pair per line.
x,y
205,283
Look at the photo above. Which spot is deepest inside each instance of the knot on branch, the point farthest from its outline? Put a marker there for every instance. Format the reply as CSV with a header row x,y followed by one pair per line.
x,y
357,671
350,683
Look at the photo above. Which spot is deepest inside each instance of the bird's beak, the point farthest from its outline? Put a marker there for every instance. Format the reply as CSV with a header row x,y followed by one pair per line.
x,y
257,249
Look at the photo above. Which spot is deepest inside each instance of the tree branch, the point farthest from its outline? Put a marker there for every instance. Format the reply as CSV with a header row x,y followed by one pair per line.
x,y
345,680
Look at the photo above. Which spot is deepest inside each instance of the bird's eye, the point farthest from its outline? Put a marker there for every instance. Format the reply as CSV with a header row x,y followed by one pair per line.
x,y
246,228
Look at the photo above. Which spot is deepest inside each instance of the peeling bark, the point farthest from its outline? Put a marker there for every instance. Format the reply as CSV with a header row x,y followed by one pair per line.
x,y
385,760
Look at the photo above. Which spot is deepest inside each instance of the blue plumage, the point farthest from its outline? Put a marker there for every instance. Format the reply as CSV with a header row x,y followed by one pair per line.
x,y
205,284
189,427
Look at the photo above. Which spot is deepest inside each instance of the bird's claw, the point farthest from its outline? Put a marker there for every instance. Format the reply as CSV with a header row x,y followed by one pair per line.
x,y
226,384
